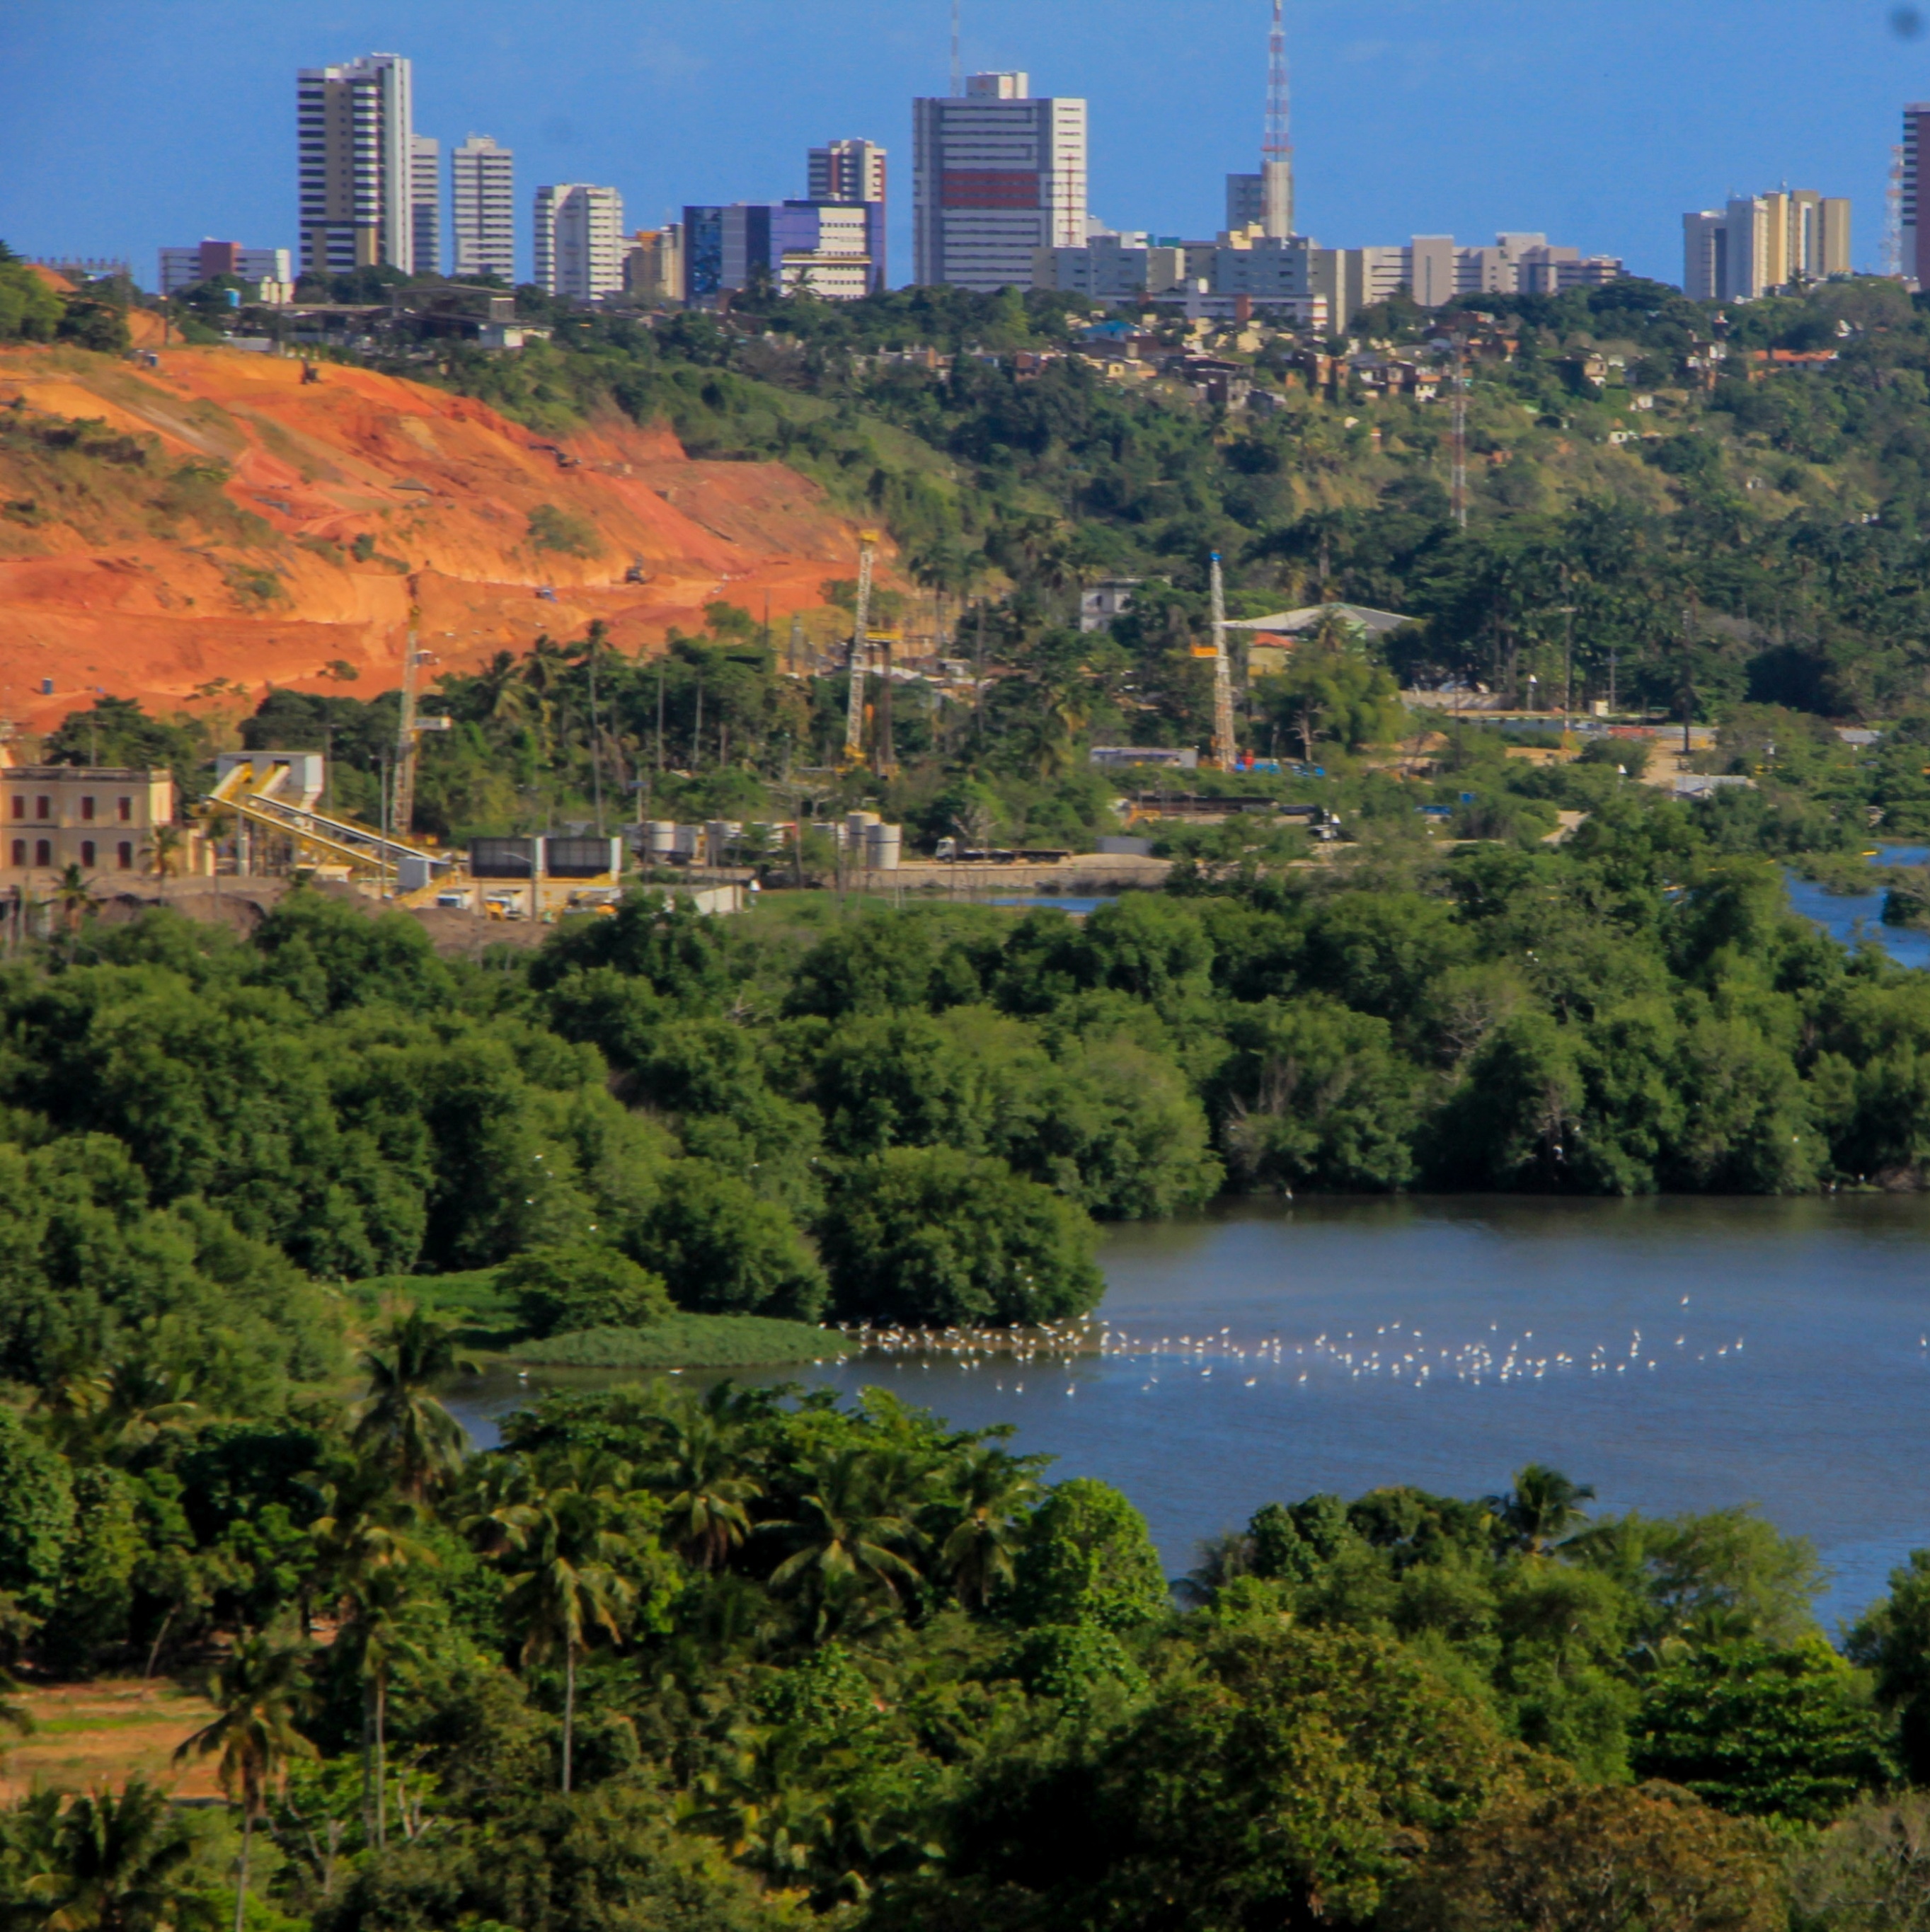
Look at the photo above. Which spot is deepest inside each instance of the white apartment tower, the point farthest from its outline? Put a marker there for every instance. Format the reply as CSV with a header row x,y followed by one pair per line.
x,y
579,241
845,171
356,166
483,191
425,201
996,176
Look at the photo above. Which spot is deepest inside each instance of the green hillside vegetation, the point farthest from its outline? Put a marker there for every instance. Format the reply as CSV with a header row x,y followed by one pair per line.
x,y
756,1658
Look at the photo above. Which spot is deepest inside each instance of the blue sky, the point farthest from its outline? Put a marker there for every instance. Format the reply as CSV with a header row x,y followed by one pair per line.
x,y
127,124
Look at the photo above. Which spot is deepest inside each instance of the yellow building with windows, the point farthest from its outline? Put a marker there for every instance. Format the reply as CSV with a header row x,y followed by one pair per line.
x,y
101,818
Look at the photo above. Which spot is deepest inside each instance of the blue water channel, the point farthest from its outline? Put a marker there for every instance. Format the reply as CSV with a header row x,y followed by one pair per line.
x,y
1677,1354
1853,917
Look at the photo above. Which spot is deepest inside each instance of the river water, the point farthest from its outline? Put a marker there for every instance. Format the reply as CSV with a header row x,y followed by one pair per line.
x,y
1677,1354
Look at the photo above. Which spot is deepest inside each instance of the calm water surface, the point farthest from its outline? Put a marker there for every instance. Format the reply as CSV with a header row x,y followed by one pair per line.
x,y
1677,1354
1849,916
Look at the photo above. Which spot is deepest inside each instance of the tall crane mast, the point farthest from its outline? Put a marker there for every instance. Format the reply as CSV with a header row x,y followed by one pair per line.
x,y
402,797
1225,751
854,703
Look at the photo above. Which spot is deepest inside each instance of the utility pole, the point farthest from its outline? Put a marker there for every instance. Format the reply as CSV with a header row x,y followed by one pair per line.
x,y
1457,485
596,641
1688,673
957,62
854,700
887,756
659,717
1568,665
1225,751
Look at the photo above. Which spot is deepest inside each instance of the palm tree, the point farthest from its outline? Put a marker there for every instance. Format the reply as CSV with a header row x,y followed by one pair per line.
x,y
707,1489
122,1862
846,1527
560,1545
260,1692
990,1488
1542,1508
377,1641
162,853
365,1550
400,1424
73,893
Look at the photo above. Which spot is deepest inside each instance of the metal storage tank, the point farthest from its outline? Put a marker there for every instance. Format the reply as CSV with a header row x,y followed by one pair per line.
x,y
660,840
883,844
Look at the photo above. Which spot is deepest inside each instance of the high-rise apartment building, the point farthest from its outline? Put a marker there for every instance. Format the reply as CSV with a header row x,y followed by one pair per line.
x,y
848,172
579,241
1758,243
425,199
1916,153
353,125
996,176
482,186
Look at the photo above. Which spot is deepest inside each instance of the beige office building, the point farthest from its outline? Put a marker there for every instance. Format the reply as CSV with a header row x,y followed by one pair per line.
x,y
1760,243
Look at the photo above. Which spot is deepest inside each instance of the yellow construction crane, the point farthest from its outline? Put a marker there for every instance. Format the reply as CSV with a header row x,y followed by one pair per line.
x,y
854,703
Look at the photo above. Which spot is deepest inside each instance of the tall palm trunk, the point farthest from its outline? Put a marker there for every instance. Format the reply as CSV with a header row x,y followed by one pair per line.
x,y
368,1760
241,1871
381,1760
568,1709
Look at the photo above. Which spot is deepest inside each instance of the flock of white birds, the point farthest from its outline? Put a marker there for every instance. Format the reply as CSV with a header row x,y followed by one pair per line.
x,y
1394,1351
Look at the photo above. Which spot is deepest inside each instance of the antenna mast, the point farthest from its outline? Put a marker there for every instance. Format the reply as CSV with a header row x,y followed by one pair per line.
x,y
1277,149
1225,751
957,62
1892,225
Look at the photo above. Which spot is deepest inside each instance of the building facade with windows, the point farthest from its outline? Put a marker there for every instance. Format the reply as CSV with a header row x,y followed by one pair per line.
x,y
356,163
851,171
997,175
483,194
1756,243
425,203
833,250
101,818
182,268
579,241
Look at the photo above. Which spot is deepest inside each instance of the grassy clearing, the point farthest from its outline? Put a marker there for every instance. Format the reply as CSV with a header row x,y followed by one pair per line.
x,y
485,1316
687,1342
88,1735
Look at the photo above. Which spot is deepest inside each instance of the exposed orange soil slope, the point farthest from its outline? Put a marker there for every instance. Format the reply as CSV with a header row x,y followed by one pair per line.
x,y
92,596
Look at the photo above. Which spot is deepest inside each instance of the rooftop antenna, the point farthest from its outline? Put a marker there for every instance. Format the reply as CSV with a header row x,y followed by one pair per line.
x,y
1277,149
958,62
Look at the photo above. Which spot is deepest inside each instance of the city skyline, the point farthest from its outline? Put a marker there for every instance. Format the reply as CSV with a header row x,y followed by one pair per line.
x,y
1176,105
